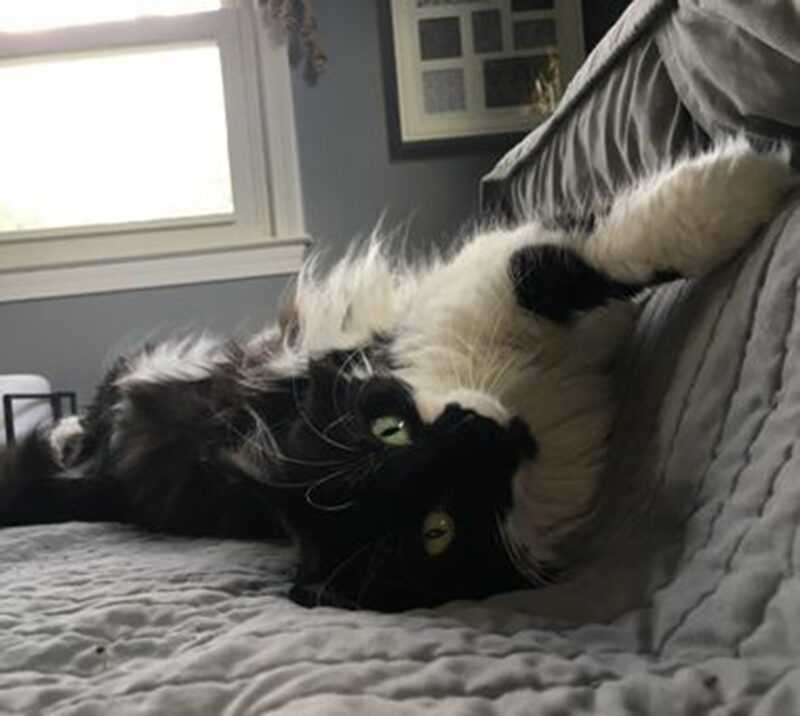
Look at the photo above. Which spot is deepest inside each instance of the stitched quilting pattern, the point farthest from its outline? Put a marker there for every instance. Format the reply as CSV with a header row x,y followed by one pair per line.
x,y
702,618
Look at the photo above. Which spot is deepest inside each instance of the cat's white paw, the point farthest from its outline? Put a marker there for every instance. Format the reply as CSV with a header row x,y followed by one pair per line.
x,y
692,216
730,192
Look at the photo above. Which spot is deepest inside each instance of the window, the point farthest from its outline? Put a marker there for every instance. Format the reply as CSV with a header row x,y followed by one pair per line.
x,y
143,143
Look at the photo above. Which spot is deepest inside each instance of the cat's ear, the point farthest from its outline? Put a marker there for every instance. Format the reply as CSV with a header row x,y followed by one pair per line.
x,y
277,344
323,373
335,370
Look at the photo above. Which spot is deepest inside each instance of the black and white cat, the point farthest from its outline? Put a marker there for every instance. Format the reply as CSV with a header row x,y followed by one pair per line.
x,y
423,432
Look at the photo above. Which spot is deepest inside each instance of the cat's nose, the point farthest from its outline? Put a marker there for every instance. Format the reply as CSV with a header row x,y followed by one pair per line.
x,y
467,424
522,437
474,401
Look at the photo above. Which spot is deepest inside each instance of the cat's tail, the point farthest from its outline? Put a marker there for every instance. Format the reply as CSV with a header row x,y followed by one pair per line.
x,y
36,489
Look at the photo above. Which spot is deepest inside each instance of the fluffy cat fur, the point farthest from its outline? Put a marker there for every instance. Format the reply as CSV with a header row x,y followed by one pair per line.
x,y
492,361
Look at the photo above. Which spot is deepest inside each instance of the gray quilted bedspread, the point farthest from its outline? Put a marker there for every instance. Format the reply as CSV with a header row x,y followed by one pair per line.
x,y
693,610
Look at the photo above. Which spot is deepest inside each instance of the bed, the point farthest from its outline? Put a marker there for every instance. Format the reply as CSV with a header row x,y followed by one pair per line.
x,y
692,607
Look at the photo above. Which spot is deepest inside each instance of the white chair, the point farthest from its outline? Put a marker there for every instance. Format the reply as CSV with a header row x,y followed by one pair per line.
x,y
22,414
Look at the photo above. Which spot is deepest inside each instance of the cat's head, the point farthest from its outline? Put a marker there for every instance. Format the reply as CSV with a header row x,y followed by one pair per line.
x,y
406,461
393,506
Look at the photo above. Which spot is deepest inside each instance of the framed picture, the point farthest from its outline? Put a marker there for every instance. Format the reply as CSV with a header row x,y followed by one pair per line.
x,y
469,69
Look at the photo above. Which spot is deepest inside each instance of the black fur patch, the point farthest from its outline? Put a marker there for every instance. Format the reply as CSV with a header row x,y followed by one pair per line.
x,y
35,489
244,452
554,282
362,545
667,275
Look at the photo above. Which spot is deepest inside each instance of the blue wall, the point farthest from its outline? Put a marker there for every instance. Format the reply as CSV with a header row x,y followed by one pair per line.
x,y
349,179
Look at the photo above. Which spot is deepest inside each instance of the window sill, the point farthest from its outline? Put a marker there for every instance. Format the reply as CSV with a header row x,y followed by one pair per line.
x,y
268,258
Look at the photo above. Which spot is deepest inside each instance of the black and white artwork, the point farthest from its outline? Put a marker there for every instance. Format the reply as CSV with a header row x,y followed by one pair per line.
x,y
470,68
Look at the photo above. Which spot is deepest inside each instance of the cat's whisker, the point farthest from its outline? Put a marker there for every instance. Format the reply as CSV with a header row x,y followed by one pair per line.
x,y
378,559
524,564
304,416
350,428
487,372
368,368
353,471
495,356
325,508
340,374
357,475
272,452
510,365
339,568
343,418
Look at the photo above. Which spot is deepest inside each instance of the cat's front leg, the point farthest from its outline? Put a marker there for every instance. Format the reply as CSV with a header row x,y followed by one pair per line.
x,y
554,281
692,217
682,222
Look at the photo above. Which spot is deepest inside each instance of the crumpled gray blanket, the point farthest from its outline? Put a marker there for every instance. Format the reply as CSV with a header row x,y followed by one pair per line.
x,y
693,609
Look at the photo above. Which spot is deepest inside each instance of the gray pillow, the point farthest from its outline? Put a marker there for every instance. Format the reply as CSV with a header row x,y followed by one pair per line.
x,y
736,64
666,79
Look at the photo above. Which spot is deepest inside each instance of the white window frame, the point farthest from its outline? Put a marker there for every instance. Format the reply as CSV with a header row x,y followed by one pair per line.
x,y
267,235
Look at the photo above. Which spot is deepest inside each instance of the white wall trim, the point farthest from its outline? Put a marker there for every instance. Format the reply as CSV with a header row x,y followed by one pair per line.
x,y
279,128
264,165
269,259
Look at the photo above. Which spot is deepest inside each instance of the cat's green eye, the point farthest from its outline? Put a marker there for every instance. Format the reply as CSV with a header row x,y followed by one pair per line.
x,y
438,531
392,430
